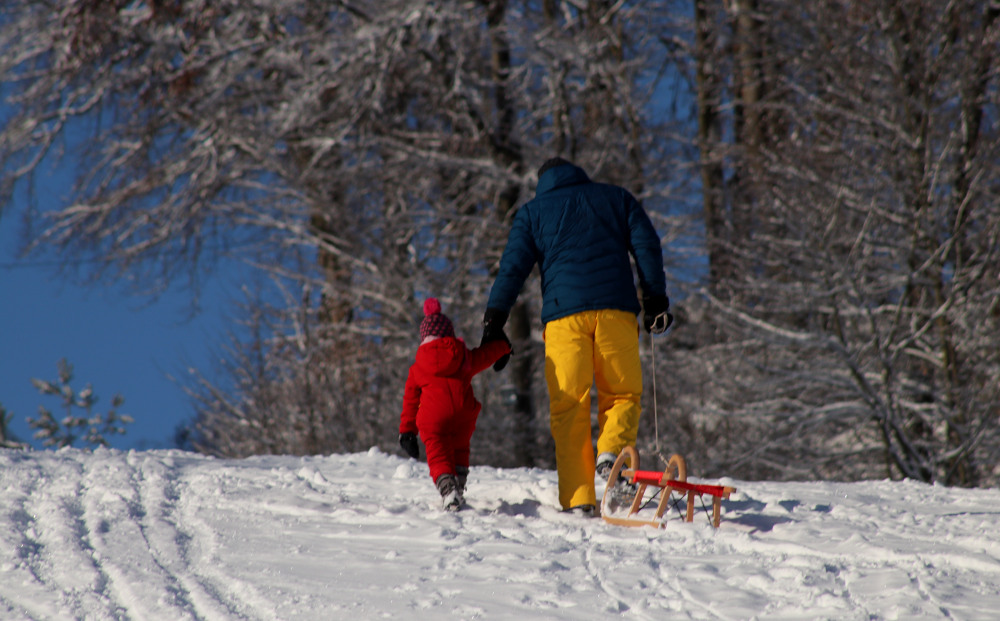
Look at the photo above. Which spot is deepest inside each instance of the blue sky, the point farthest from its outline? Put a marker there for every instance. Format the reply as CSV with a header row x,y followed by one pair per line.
x,y
115,342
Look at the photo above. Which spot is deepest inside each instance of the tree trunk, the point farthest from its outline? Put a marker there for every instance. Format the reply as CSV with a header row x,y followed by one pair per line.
x,y
508,153
709,87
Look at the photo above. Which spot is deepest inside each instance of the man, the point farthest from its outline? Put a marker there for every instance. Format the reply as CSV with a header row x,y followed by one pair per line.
x,y
581,234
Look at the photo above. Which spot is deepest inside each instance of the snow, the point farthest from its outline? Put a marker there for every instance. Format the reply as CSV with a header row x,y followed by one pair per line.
x,y
174,535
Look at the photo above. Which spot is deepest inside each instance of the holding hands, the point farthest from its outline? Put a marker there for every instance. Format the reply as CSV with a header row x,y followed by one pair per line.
x,y
493,323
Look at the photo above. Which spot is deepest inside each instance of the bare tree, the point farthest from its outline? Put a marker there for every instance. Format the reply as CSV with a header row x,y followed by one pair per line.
x,y
858,344
363,155
827,171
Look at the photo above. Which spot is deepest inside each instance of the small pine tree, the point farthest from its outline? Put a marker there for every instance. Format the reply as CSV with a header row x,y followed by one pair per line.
x,y
92,428
6,439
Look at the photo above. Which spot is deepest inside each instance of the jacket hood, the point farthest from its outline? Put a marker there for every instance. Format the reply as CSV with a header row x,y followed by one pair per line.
x,y
441,357
561,176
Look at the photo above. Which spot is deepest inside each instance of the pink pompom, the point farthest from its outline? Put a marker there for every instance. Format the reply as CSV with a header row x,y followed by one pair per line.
x,y
432,306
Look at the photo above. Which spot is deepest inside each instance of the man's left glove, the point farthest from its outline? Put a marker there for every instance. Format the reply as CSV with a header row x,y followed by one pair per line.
x,y
656,317
409,443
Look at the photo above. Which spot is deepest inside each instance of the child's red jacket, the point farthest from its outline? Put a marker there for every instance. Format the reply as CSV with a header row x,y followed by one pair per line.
x,y
438,395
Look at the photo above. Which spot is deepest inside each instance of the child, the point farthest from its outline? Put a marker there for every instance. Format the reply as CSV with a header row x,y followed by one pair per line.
x,y
439,404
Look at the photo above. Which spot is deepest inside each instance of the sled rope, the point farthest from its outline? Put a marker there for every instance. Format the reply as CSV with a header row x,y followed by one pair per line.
x,y
656,420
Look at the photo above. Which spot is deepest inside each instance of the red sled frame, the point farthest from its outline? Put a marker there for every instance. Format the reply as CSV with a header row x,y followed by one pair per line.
x,y
642,479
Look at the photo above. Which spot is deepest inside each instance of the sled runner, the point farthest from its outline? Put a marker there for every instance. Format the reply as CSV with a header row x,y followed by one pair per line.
x,y
627,505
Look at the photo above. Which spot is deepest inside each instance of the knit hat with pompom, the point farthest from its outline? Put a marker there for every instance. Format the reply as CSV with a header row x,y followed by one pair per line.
x,y
435,323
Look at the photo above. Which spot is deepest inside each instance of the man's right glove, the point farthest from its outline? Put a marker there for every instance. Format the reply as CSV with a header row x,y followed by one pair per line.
x,y
493,323
409,443
656,317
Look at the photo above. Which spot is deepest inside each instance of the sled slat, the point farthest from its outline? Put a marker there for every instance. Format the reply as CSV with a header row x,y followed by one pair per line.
x,y
650,477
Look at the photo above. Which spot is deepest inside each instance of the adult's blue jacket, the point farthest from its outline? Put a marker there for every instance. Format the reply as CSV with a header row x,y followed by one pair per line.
x,y
581,234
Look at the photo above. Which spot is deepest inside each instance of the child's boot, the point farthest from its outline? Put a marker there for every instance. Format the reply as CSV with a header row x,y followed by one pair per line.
x,y
448,487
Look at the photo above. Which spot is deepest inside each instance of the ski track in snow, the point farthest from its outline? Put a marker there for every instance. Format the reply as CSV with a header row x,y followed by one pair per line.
x,y
173,535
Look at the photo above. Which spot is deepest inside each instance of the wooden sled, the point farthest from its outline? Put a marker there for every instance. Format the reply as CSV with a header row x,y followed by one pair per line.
x,y
625,511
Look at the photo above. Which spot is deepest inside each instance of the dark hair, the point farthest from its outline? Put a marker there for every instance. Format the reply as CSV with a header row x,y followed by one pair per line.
x,y
552,163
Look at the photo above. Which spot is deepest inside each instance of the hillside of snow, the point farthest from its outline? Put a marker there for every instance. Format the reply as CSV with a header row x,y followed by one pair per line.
x,y
173,535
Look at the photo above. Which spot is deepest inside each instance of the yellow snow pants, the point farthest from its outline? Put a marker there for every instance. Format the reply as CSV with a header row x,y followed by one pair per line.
x,y
591,347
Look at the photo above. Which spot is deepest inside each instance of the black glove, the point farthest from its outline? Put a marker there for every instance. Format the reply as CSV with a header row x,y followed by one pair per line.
x,y
409,443
493,322
656,317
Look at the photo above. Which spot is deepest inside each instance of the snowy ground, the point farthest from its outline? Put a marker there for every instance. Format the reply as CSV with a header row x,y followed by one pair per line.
x,y
172,535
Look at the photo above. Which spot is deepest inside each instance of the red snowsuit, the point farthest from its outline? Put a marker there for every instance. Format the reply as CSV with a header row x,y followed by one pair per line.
x,y
438,401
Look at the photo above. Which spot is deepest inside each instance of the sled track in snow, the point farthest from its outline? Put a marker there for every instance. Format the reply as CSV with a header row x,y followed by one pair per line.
x,y
602,582
59,547
22,535
104,534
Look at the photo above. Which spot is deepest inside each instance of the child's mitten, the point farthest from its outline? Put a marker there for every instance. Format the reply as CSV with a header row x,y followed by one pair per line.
x,y
409,443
